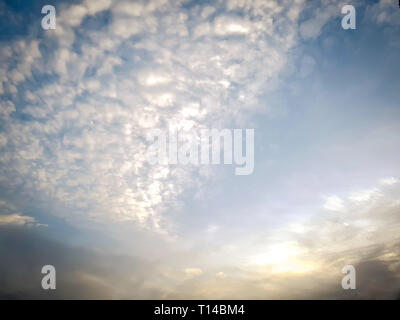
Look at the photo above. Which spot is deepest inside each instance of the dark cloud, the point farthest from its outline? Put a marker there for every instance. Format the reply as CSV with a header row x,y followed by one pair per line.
x,y
81,273
89,274
376,280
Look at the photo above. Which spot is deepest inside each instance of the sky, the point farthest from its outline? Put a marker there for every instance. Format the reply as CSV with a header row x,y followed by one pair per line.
x,y
77,191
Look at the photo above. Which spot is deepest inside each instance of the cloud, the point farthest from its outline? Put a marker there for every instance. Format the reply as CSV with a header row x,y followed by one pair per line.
x,y
304,261
17,220
366,218
193,272
334,203
384,12
8,217
226,25
81,273
307,265
389,181
311,28
78,139
365,195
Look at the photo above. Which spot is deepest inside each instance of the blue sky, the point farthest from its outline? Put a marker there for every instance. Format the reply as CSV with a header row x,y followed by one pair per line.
x,y
77,101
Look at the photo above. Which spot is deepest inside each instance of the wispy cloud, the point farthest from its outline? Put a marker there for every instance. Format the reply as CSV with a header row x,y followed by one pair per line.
x,y
17,220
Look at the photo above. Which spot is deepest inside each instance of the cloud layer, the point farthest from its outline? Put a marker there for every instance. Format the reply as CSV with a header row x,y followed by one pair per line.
x,y
77,136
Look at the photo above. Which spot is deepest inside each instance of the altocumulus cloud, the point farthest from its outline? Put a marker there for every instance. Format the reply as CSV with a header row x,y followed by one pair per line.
x,y
77,136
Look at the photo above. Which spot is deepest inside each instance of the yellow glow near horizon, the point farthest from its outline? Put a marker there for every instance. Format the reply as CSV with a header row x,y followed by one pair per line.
x,y
282,257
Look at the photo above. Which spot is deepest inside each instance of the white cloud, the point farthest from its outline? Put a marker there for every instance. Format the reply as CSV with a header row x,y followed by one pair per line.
x,y
193,272
74,14
312,28
207,11
366,218
365,195
226,25
334,203
389,181
319,246
18,220
153,79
